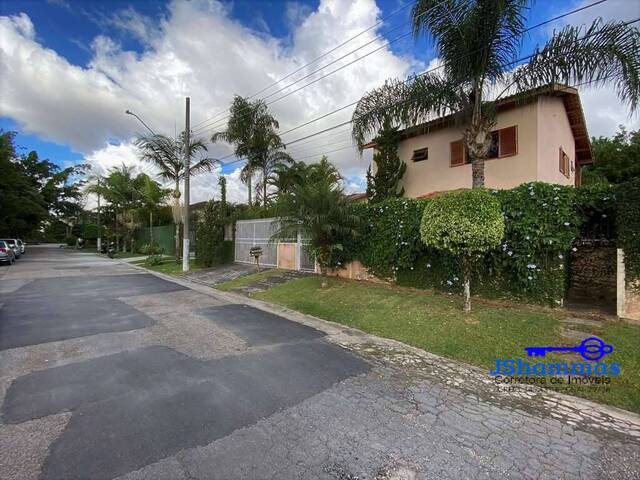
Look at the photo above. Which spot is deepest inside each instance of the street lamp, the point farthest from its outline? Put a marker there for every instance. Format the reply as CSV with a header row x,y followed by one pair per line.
x,y
129,112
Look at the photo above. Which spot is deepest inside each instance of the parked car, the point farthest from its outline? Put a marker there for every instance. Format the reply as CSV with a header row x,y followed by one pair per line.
x,y
22,245
6,254
13,245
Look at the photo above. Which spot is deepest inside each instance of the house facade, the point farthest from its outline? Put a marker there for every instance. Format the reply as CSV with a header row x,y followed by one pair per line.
x,y
538,136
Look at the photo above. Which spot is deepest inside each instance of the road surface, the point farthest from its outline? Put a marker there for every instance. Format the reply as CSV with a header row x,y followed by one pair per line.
x,y
110,372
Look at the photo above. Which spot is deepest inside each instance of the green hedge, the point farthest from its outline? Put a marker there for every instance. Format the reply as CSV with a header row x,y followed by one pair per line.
x,y
541,223
628,221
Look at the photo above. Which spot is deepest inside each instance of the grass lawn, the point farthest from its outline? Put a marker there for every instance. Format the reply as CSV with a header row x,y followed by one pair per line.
x,y
436,323
127,255
169,266
248,279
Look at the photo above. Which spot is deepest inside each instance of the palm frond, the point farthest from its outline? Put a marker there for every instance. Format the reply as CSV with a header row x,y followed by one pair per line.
x,y
599,54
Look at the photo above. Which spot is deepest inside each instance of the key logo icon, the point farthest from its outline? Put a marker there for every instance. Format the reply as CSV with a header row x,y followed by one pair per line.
x,y
592,349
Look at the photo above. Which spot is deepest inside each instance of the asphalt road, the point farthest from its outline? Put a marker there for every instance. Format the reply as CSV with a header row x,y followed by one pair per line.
x,y
108,372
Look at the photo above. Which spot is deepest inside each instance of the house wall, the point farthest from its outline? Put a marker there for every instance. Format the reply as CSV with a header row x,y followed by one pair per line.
x,y
554,132
436,174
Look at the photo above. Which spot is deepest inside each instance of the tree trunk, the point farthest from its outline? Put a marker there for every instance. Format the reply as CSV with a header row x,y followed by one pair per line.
x,y
150,226
176,196
249,188
466,274
264,189
477,173
478,139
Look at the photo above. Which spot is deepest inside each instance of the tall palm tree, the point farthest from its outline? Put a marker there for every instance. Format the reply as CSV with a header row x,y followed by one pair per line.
x,y
317,208
167,155
151,197
252,131
478,42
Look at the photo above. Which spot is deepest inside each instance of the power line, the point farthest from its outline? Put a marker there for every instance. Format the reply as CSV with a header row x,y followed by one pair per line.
x,y
328,52
553,19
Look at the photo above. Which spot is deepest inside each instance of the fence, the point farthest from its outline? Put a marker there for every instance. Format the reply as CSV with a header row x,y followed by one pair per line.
x,y
289,254
163,235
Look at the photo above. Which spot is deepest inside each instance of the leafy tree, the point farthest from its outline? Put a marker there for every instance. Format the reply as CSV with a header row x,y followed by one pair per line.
x,y
23,208
617,159
383,183
466,224
252,131
167,155
317,208
478,42
151,196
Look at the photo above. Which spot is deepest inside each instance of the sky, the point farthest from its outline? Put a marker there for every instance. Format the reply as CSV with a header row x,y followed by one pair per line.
x,y
69,70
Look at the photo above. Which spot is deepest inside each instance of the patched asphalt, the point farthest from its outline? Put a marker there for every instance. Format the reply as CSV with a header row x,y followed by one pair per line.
x,y
53,309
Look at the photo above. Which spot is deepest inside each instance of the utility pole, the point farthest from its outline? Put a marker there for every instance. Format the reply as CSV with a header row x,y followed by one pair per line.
x,y
187,166
99,242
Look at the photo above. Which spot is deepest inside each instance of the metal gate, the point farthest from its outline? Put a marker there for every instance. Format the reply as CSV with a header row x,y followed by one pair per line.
x,y
258,232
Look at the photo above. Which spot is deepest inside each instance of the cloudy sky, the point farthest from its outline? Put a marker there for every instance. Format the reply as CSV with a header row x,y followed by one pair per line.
x,y
69,70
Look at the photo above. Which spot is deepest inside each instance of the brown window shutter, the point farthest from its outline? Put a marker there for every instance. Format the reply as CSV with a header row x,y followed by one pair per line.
x,y
508,141
457,153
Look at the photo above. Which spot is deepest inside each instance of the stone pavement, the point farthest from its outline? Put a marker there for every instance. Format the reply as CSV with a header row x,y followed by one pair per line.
x,y
409,415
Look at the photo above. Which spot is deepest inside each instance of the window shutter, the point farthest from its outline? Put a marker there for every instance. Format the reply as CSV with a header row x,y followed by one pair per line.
x,y
508,141
457,153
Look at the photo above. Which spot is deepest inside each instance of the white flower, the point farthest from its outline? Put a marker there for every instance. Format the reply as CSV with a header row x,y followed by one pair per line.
x,y
574,249
449,282
604,215
544,204
528,237
530,277
428,265
455,279
509,253
411,268
566,224
531,266
560,256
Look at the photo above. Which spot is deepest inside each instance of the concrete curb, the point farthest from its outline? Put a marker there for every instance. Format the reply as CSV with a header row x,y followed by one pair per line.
x,y
348,336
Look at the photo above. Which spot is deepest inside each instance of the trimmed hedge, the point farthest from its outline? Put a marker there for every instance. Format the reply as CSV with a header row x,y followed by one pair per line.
x,y
628,221
541,223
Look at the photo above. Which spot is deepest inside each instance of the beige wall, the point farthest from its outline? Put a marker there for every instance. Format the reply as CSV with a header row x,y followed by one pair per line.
x,y
554,132
542,128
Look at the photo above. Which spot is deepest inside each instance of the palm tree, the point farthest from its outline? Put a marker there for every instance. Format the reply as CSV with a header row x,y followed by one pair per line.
x,y
252,131
167,155
151,197
317,208
478,42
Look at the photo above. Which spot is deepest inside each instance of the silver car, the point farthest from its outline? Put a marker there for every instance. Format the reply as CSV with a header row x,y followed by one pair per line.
x,y
13,245
6,254
22,245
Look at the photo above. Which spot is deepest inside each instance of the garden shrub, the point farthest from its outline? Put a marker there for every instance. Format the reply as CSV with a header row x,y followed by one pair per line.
x,y
210,248
151,248
70,240
153,260
542,221
628,224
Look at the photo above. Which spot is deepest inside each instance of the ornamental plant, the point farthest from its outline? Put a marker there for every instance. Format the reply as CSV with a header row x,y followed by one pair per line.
x,y
466,224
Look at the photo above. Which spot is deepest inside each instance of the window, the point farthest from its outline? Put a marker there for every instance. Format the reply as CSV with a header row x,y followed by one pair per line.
x,y
504,143
564,163
420,154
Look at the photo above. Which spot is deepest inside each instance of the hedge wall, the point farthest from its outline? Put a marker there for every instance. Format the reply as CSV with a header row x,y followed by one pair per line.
x,y
628,221
541,223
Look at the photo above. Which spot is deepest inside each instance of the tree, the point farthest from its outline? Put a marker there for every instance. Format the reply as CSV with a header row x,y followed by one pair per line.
x,y
383,183
316,207
617,159
151,196
252,131
465,223
23,208
167,155
478,42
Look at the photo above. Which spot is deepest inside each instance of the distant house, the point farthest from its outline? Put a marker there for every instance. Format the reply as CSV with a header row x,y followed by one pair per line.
x,y
357,197
540,135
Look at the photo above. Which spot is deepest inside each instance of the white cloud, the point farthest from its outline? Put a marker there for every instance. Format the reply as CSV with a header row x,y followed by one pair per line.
x,y
196,50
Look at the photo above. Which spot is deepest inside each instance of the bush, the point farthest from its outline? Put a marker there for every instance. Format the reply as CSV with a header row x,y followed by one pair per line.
x,y
542,222
210,245
70,240
153,260
465,224
628,221
151,248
